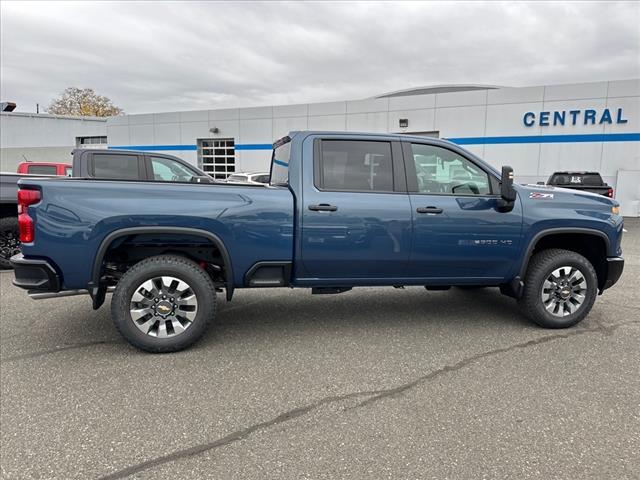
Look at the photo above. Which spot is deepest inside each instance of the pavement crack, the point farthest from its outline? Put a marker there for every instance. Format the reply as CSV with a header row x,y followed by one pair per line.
x,y
392,392
41,353
375,395
232,437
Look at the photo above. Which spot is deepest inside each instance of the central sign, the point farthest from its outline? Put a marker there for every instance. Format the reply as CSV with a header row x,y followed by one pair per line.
x,y
588,116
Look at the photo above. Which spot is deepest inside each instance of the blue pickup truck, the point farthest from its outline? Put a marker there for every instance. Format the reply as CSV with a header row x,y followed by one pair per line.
x,y
342,210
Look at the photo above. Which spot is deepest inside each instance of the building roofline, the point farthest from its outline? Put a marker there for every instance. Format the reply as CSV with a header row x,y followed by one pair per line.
x,y
434,89
57,117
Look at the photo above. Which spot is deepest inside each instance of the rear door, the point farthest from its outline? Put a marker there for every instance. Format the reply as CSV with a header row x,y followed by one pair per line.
x,y
356,219
458,232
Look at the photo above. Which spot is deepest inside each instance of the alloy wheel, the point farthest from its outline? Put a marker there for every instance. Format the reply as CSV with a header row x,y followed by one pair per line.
x,y
163,306
563,291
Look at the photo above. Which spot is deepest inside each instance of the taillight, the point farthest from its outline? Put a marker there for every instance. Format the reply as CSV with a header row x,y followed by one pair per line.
x,y
26,227
610,192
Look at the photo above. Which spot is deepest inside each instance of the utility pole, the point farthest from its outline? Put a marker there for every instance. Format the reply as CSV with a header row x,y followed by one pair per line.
x,y
37,108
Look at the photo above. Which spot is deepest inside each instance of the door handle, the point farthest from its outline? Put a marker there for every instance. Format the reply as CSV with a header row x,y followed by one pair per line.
x,y
428,210
323,207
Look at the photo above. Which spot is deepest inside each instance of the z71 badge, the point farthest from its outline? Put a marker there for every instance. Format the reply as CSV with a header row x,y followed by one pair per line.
x,y
540,195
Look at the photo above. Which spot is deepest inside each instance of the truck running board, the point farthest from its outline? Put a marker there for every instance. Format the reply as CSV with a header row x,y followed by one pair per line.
x,y
35,295
328,290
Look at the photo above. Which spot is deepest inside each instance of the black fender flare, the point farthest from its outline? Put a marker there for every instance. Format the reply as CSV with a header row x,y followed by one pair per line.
x,y
554,231
98,291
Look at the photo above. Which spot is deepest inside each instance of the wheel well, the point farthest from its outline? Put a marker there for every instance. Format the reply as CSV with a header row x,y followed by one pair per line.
x,y
124,249
592,247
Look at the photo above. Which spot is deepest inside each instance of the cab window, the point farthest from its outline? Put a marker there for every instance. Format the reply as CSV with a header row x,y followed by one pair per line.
x,y
168,170
443,171
42,169
115,166
356,166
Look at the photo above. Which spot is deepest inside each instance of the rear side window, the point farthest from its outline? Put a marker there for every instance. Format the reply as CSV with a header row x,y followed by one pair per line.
x,y
118,167
355,165
42,169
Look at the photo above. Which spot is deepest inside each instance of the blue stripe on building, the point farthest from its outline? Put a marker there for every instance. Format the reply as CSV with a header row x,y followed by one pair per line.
x,y
253,146
575,138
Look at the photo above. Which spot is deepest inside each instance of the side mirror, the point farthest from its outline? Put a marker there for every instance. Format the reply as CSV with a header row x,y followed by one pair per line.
x,y
507,192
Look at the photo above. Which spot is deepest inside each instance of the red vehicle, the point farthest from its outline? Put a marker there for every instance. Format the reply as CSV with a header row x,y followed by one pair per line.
x,y
45,168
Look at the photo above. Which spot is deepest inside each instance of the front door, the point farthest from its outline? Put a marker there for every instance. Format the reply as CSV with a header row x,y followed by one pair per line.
x,y
357,214
458,232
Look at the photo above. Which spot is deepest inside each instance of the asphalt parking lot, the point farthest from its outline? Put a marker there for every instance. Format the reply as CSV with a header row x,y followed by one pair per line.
x,y
373,383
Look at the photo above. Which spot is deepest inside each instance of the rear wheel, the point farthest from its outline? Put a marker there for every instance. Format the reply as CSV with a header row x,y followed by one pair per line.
x,y
9,241
559,289
163,304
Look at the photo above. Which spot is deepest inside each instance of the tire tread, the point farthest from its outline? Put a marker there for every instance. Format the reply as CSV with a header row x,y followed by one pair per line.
x,y
120,303
539,265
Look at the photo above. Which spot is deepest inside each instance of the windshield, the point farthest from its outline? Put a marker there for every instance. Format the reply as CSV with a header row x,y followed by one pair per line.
x,y
280,162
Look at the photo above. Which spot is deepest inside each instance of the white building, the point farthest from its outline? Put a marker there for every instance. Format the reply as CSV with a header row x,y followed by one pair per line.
x,y
46,138
536,130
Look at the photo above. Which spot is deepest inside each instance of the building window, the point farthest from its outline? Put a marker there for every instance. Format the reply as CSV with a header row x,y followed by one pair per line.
x,y
91,142
217,157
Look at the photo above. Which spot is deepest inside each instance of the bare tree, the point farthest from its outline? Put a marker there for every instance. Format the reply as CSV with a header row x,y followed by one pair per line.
x,y
83,102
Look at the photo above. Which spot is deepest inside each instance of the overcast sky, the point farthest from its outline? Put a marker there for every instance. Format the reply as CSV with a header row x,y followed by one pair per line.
x,y
162,56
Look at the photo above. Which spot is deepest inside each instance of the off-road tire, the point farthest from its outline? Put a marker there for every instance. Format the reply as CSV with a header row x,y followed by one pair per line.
x,y
164,265
542,264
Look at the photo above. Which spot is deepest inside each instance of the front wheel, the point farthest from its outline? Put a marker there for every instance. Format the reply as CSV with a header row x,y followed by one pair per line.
x,y
560,288
163,304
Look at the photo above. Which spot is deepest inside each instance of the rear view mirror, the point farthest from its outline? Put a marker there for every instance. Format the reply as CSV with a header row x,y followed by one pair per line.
x,y
507,192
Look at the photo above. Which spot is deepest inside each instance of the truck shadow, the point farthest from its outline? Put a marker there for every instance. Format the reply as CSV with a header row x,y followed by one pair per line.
x,y
265,316
365,308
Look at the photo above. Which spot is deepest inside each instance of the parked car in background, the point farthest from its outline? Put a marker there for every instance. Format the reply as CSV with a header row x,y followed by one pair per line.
x,y
259,178
134,165
583,181
342,210
88,163
45,168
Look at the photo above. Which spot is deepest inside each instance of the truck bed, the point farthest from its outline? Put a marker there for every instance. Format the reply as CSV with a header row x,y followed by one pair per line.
x,y
76,215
